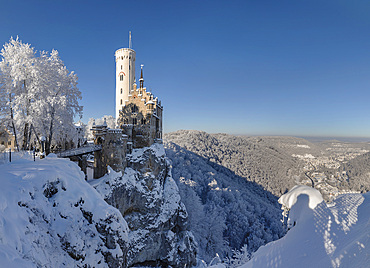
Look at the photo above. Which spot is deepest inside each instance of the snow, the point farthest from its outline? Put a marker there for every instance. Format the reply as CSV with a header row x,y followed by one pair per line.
x,y
308,156
290,199
158,150
42,206
335,236
303,146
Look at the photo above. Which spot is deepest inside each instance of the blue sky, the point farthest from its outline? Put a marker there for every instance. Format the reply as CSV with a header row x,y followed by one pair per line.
x,y
240,67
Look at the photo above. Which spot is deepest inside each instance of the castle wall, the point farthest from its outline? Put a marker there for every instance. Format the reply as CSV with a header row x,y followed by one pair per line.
x,y
113,153
141,118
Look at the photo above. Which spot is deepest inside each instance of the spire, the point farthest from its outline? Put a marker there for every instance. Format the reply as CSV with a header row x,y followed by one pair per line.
x,y
141,77
129,40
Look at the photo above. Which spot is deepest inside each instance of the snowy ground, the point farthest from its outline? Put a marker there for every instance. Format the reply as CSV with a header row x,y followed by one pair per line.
x,y
51,217
323,236
36,218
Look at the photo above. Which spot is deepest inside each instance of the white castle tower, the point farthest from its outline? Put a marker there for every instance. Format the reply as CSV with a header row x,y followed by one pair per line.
x,y
125,75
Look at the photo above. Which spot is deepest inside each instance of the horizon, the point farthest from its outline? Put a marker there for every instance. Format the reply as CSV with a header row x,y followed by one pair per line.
x,y
284,69
353,139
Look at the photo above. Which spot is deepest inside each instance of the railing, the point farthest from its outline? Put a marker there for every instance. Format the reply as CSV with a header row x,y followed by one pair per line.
x,y
8,156
79,151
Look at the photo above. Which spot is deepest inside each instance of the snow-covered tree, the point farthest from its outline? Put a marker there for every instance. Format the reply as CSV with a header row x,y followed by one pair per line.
x,y
54,114
39,95
239,257
17,86
233,212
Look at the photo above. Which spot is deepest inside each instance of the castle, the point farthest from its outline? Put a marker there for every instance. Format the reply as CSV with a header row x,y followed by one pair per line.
x,y
138,112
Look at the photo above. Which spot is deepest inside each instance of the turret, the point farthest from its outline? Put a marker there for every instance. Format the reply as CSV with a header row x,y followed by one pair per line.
x,y
141,80
125,75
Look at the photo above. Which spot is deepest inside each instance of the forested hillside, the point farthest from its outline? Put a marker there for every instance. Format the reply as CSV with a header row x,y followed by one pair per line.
x,y
263,160
217,176
358,172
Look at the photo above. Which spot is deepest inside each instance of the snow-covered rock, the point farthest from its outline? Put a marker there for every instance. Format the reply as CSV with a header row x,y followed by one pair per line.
x,y
50,217
149,200
323,236
290,198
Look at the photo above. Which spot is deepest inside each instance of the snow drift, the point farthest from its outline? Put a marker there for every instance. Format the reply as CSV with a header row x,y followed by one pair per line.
x,y
51,217
323,236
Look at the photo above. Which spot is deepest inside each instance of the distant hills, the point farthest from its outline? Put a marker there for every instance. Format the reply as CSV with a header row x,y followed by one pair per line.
x,y
267,161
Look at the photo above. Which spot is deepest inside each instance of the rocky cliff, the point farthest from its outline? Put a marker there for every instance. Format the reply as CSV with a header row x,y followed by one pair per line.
x,y
149,200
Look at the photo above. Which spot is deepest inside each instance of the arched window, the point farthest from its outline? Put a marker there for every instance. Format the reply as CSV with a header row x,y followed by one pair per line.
x,y
121,92
134,109
121,77
121,67
121,100
143,121
134,121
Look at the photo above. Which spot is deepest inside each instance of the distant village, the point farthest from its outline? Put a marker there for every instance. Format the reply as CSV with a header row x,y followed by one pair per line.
x,y
322,172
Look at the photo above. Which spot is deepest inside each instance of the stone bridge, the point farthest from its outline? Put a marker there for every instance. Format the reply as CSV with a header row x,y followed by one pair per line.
x,y
80,151
110,147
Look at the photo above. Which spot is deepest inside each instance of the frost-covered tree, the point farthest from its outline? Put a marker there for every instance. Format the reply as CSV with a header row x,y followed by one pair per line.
x,y
54,114
239,257
226,211
17,86
40,96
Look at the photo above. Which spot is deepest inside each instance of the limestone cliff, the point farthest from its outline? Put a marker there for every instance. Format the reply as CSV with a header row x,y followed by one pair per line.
x,y
149,200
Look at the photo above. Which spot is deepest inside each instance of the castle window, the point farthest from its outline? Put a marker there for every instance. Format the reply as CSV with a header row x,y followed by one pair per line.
x,y
143,121
134,109
122,58
9,142
121,100
134,121
121,92
121,67
121,77
2,143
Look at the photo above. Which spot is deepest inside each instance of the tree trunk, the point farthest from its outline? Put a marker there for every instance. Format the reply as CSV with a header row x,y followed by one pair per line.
x,y
25,137
26,125
13,126
51,132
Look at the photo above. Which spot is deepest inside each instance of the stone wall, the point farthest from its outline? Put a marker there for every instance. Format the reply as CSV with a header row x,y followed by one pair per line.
x,y
113,153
